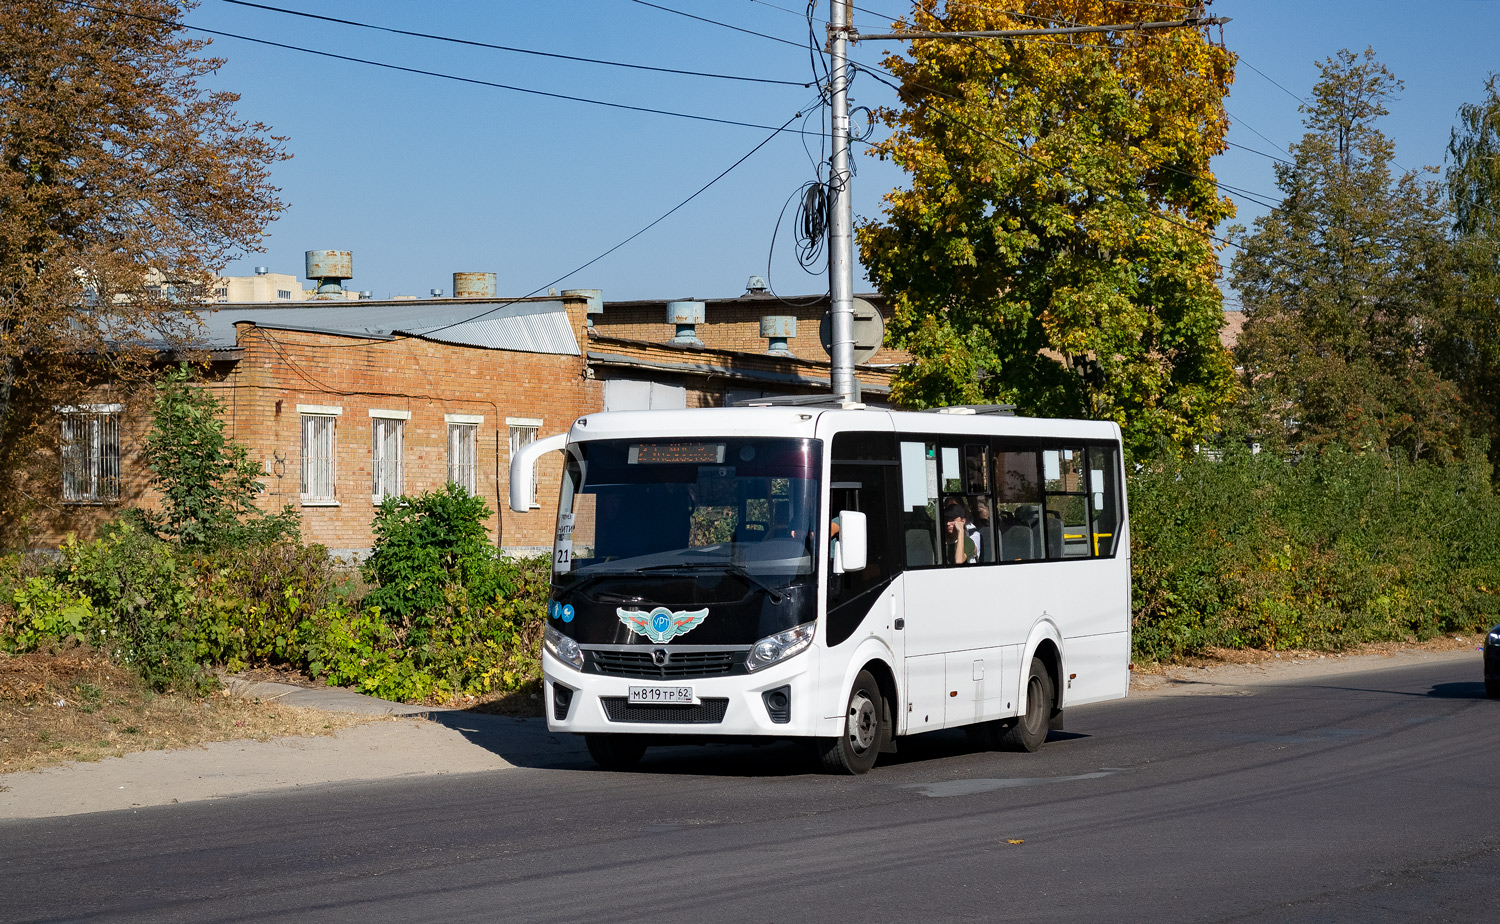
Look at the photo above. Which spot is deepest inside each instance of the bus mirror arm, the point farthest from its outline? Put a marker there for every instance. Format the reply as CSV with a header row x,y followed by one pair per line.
x,y
850,547
520,469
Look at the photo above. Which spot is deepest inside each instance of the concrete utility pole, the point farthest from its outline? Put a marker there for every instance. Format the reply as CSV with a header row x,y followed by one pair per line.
x,y
841,214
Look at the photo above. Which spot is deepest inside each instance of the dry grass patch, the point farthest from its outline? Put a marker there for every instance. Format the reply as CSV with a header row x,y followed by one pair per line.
x,y
75,705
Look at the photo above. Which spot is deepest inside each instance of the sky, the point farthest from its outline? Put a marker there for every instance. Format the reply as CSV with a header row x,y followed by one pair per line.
x,y
422,176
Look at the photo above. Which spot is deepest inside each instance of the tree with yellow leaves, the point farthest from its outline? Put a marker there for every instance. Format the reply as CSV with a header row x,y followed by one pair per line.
x,y
1053,250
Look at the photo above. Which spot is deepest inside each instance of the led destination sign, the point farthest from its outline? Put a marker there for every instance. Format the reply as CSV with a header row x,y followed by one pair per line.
x,y
676,453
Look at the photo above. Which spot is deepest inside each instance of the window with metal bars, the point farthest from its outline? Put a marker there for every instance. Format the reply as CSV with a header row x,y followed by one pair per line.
x,y
463,456
386,475
521,437
318,461
90,456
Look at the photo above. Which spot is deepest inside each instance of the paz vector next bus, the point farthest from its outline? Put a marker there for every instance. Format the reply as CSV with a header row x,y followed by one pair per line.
x,y
843,575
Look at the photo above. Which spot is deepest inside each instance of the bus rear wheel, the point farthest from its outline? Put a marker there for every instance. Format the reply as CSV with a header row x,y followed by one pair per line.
x,y
1030,730
615,752
855,751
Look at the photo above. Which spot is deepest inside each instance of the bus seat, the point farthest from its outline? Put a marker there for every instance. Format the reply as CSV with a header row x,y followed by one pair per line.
x,y
1054,534
1015,544
919,549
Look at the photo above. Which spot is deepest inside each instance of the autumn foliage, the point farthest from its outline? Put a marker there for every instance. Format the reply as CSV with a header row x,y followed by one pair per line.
x,y
1053,248
125,185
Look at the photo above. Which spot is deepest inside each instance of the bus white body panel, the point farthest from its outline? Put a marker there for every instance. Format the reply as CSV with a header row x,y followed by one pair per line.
x,y
993,541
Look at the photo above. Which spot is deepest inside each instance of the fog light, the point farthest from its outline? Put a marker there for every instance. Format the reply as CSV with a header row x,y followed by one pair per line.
x,y
778,704
562,699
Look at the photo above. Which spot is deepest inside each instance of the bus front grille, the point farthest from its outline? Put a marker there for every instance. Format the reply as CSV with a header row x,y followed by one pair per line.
x,y
681,665
709,712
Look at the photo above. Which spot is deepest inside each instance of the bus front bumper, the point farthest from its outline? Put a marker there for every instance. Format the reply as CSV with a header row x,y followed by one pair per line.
x,y
737,705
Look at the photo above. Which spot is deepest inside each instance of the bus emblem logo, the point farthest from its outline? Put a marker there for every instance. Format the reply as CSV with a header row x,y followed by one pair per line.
x,y
661,624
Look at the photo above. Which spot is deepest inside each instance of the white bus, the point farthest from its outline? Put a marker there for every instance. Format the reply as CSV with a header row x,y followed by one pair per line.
x,y
850,576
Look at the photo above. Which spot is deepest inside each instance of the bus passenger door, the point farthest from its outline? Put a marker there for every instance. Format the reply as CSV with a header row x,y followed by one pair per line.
x,y
928,590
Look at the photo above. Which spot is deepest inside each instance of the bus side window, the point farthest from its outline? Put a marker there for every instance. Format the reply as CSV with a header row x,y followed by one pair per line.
x,y
1104,498
1018,506
919,503
1064,480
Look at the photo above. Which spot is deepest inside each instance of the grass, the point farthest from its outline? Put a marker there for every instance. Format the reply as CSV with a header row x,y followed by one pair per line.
x,y
74,705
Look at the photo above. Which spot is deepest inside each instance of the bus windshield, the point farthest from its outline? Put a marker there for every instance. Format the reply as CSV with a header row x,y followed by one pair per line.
x,y
748,505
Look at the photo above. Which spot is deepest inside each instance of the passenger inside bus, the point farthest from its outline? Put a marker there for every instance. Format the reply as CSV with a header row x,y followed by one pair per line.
x,y
960,540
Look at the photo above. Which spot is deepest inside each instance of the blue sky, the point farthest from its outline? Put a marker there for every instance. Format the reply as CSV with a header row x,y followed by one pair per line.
x,y
422,177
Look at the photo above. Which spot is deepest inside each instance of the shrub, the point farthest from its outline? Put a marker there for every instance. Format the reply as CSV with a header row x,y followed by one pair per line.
x,y
251,600
1323,551
424,546
142,604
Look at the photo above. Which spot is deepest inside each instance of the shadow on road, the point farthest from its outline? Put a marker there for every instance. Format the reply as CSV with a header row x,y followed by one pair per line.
x,y
1468,690
525,742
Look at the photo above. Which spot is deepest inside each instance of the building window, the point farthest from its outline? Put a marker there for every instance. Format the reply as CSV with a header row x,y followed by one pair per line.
x,y
463,450
522,434
91,454
388,429
283,293
222,291
319,457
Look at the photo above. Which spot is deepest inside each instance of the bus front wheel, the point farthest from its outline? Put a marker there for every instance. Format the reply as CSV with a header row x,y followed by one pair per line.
x,y
615,752
855,751
1030,730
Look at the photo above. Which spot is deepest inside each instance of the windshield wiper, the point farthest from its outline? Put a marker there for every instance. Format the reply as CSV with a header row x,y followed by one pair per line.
x,y
728,567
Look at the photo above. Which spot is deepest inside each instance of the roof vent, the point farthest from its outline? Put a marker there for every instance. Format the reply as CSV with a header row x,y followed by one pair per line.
x,y
435,293
686,315
329,269
262,270
778,329
756,286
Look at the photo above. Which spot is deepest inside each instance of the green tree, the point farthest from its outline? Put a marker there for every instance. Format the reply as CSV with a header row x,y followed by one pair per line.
x,y
1348,284
1470,351
1053,248
124,187
208,483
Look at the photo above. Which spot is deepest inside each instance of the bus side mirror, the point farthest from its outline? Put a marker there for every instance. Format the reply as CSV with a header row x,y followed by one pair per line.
x,y
520,469
851,545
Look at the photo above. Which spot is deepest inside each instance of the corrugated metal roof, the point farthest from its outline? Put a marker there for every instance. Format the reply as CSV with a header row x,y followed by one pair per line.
x,y
523,326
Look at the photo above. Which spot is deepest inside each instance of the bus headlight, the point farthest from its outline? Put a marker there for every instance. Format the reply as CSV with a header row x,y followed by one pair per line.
x,y
563,648
780,646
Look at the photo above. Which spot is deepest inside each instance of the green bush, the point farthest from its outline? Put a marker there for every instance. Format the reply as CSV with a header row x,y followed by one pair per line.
x,y
252,599
141,597
1324,551
36,611
488,648
424,547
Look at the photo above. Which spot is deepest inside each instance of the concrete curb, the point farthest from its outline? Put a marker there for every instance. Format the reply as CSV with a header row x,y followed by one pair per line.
x,y
328,699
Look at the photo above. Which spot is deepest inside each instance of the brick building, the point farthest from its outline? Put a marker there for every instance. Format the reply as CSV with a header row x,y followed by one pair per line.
x,y
346,402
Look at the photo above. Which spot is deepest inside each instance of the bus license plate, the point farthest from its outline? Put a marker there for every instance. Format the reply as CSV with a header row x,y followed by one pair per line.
x,y
681,695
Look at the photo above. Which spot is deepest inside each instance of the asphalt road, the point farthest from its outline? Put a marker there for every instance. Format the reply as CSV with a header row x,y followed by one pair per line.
x,y
1361,797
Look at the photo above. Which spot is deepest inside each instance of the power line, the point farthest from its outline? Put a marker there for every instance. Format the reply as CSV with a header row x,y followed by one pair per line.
x,y
582,266
508,48
715,22
426,73
1146,211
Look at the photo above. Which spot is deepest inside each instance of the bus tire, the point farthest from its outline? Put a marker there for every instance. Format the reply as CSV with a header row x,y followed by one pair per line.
x,y
615,752
1030,730
855,751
